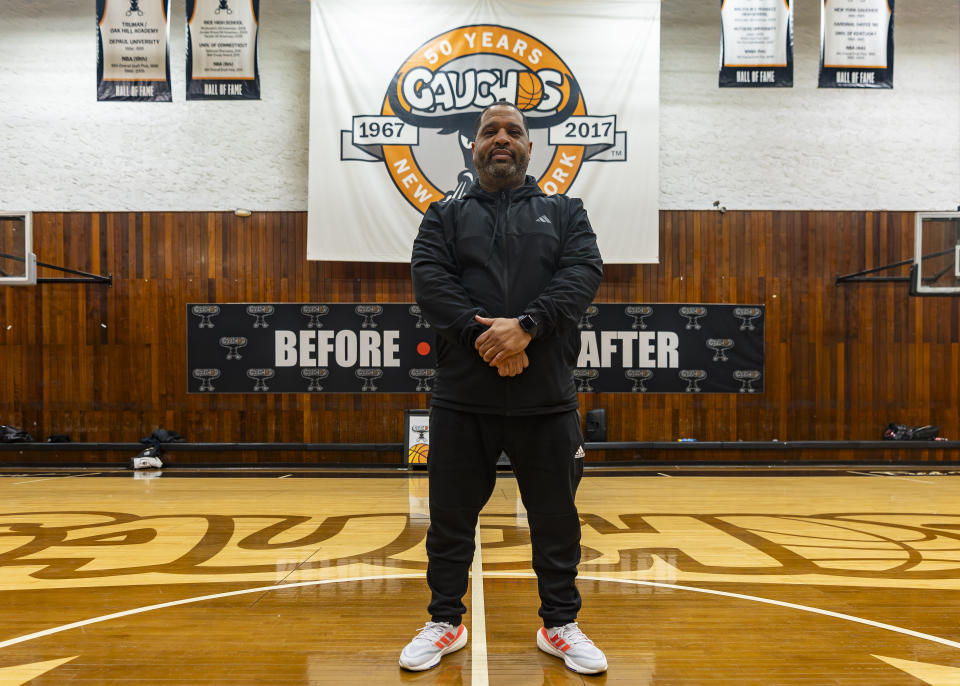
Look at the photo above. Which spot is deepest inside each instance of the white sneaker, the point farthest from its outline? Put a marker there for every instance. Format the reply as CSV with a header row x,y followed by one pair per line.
x,y
434,640
577,651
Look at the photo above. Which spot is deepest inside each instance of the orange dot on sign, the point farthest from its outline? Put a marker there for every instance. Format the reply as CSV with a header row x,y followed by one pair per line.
x,y
423,348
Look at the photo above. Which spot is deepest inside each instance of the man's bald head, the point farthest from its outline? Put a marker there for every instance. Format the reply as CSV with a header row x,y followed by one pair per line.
x,y
501,103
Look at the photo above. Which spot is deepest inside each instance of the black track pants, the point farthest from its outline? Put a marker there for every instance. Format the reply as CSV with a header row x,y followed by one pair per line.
x,y
464,448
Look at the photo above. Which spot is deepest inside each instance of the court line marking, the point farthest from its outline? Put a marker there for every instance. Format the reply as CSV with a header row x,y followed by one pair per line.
x,y
419,575
769,601
66,476
478,623
196,599
891,476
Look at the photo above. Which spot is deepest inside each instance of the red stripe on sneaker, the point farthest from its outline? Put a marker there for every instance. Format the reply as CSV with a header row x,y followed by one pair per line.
x,y
448,638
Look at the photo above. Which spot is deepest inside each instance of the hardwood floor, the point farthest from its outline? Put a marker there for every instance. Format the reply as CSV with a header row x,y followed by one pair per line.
x,y
793,580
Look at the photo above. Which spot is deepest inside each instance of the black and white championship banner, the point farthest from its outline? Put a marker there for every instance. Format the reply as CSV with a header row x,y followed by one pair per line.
x,y
389,348
856,44
756,49
222,42
133,50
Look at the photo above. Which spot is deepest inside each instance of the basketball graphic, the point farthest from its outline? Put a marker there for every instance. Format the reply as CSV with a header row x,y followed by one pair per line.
x,y
418,453
529,90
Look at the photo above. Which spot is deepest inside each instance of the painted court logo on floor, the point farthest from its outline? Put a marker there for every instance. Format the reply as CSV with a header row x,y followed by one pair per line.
x,y
426,122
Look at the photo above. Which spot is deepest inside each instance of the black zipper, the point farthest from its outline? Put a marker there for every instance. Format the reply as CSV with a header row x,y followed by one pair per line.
x,y
503,212
504,206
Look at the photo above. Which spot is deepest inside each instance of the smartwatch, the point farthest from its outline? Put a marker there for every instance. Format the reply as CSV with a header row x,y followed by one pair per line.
x,y
529,324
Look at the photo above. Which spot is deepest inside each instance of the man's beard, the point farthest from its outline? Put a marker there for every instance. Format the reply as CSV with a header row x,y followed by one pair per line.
x,y
515,168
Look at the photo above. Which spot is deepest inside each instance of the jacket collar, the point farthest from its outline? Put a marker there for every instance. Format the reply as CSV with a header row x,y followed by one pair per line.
x,y
529,189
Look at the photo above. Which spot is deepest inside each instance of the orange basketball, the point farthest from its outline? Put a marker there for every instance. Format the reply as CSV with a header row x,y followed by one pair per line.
x,y
418,453
529,90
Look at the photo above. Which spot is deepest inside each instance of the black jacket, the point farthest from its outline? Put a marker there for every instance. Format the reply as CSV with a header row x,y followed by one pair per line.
x,y
501,255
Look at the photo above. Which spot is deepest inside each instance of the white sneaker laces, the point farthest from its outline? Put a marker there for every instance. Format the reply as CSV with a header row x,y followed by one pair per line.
x,y
572,634
431,631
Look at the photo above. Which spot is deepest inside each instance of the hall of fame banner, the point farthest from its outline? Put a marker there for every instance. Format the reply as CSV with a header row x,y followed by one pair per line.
x,y
389,348
133,50
756,43
222,49
395,96
856,44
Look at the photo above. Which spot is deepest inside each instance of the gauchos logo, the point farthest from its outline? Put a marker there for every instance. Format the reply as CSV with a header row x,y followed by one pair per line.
x,y
426,121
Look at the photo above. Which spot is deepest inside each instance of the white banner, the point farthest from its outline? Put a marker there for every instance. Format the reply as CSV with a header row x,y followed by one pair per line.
x,y
394,98
755,33
757,43
856,44
222,37
133,56
855,33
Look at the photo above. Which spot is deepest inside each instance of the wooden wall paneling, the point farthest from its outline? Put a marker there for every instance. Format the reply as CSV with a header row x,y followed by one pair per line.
x,y
841,360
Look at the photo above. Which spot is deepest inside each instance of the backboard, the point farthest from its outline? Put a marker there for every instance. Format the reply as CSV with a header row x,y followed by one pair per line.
x,y
18,264
936,258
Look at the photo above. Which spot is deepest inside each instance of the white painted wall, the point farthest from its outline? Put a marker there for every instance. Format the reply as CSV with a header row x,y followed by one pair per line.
x,y
800,148
807,148
63,150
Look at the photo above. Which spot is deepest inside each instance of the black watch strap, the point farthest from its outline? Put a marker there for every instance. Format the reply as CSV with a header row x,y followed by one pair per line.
x,y
529,324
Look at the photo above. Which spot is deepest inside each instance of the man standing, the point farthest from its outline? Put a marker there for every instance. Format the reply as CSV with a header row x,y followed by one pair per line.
x,y
504,275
